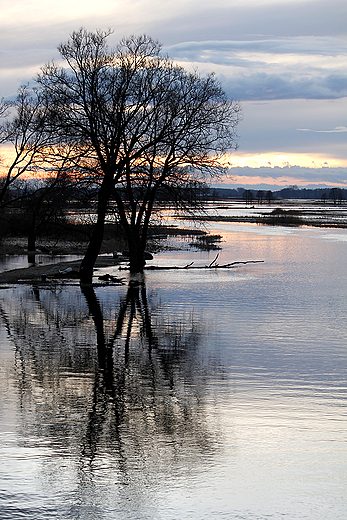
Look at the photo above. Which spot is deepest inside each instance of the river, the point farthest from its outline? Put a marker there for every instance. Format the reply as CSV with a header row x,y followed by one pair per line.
x,y
186,394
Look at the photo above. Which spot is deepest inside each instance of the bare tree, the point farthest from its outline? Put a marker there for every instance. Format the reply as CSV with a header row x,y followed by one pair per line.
x,y
138,123
44,204
269,196
260,196
36,174
23,130
336,194
248,196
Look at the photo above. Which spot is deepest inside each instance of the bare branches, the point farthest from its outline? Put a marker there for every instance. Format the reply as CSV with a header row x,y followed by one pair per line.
x,y
212,265
130,119
24,130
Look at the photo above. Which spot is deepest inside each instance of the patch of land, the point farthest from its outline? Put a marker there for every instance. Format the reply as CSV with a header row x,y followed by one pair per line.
x,y
50,272
68,270
333,217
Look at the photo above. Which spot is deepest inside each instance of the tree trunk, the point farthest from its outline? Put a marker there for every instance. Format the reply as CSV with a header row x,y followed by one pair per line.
x,y
32,240
32,234
94,246
136,240
93,250
136,254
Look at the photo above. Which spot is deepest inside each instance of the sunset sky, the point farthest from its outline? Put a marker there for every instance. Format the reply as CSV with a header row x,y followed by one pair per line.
x,y
285,60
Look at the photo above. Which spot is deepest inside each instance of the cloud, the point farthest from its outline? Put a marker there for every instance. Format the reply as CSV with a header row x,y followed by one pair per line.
x,y
230,19
19,67
286,60
283,85
292,68
300,172
222,51
337,130
261,49
272,127
283,176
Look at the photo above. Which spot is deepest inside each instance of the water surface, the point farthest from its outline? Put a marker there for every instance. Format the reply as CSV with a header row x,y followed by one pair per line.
x,y
188,394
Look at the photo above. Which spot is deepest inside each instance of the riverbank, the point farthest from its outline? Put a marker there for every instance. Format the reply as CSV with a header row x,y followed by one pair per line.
x,y
51,272
68,269
286,214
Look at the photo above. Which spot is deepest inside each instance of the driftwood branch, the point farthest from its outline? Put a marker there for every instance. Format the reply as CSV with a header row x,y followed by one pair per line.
x,y
213,261
212,265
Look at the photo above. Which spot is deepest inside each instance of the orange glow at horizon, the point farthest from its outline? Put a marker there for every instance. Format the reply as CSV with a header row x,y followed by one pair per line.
x,y
287,162
282,160
241,160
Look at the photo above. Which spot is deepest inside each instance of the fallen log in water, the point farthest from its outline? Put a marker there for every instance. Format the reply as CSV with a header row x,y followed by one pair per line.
x,y
212,265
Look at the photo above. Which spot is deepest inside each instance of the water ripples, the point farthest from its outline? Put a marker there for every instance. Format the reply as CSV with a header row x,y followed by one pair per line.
x,y
193,395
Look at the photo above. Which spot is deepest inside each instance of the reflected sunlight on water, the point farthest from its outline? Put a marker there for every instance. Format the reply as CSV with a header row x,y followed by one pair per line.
x,y
205,394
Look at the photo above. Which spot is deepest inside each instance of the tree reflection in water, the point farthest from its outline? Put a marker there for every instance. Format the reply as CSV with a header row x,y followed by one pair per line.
x,y
130,410
139,382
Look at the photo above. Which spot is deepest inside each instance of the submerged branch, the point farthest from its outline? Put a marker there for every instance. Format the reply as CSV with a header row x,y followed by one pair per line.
x,y
212,265
214,260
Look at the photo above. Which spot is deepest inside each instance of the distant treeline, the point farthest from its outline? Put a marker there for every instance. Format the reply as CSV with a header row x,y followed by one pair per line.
x,y
335,195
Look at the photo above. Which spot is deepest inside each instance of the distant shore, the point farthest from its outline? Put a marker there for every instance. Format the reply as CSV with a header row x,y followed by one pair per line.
x,y
288,213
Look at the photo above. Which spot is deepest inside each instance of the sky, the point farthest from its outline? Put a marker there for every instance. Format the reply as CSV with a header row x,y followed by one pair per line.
x,y
284,60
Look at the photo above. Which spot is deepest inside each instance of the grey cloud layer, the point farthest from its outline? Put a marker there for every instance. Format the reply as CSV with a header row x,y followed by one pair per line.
x,y
336,130
249,70
204,50
286,62
313,17
293,68
262,86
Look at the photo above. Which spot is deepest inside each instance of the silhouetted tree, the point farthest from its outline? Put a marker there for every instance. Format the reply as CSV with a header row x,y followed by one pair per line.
x,y
260,196
336,195
24,130
269,196
44,204
248,196
137,123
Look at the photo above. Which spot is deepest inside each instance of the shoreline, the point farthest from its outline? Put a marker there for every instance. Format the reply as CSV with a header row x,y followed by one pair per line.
x,y
48,273
57,272
68,270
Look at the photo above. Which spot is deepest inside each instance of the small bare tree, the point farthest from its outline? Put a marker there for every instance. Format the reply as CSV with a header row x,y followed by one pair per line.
x,y
23,130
